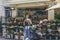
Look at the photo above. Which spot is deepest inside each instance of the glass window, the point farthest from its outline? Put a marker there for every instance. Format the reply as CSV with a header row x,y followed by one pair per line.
x,y
20,12
7,11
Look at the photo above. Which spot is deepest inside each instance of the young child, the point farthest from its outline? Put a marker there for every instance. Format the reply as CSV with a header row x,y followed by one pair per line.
x,y
39,28
39,25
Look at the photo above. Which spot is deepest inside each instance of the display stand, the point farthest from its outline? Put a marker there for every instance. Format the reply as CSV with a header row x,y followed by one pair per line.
x,y
14,28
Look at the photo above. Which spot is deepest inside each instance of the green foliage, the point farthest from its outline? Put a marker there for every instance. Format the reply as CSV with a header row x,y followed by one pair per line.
x,y
58,16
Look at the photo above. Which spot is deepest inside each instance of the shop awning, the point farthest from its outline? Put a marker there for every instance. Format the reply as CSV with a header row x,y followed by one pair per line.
x,y
54,7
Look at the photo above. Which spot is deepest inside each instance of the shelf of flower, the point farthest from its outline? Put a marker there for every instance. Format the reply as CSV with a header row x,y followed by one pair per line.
x,y
14,28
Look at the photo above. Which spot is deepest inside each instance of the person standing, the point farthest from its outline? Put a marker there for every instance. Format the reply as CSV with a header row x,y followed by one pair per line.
x,y
27,24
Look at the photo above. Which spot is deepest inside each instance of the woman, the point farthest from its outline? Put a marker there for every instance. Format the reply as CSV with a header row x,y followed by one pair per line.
x,y
27,24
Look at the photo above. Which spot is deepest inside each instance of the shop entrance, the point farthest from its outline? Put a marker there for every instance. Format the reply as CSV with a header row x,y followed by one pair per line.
x,y
36,14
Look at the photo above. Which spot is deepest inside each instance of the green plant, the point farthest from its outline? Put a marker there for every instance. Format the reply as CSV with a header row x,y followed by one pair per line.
x,y
58,16
26,12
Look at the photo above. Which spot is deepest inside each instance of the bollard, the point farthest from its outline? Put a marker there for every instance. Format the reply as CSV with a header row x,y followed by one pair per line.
x,y
16,37
8,36
56,37
12,36
44,37
50,38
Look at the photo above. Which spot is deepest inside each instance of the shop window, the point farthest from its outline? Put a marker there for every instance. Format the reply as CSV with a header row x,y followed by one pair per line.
x,y
20,13
7,12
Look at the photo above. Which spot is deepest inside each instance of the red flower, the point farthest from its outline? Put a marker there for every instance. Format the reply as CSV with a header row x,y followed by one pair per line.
x,y
20,33
10,17
18,22
15,22
10,23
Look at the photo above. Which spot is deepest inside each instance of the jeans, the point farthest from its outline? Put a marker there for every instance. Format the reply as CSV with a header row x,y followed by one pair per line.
x,y
27,30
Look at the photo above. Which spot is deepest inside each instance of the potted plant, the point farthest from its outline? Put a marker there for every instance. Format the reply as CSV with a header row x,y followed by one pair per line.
x,y
58,16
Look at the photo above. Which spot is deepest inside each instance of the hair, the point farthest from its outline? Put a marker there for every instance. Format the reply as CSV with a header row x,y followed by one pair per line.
x,y
27,16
